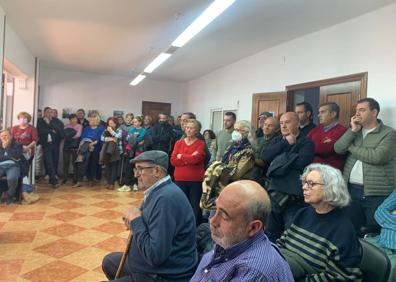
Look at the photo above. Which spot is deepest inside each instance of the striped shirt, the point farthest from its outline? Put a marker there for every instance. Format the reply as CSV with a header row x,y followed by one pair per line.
x,y
326,242
387,221
255,259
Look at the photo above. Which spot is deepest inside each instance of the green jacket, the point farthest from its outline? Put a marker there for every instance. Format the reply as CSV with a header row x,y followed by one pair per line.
x,y
223,140
377,153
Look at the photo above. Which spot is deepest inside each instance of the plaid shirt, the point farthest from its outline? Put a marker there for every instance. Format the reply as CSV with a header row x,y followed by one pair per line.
x,y
255,259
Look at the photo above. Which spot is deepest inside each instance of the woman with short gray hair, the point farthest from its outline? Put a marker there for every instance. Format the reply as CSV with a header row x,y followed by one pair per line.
x,y
321,243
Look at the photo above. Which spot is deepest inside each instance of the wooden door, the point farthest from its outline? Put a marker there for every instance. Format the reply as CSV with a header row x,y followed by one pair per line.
x,y
345,95
274,102
154,108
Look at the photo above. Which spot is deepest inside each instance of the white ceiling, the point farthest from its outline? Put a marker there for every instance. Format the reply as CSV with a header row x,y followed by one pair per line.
x,y
123,36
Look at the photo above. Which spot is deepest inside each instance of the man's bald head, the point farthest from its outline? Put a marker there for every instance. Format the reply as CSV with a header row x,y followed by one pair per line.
x,y
252,197
289,123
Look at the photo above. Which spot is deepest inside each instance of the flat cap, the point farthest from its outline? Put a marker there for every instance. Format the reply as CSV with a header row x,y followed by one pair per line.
x,y
156,157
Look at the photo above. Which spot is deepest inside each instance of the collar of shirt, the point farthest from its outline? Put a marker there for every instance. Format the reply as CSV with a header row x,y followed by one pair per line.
x,y
156,184
330,126
230,253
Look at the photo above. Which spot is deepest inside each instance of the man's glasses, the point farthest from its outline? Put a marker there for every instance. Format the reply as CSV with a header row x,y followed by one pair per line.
x,y
311,184
138,170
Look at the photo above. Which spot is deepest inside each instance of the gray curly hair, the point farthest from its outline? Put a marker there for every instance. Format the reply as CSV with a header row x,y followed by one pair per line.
x,y
335,189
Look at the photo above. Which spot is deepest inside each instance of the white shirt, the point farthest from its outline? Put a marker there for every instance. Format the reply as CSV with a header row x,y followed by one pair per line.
x,y
356,176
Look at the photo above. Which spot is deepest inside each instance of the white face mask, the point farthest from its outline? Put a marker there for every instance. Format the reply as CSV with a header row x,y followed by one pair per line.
x,y
236,136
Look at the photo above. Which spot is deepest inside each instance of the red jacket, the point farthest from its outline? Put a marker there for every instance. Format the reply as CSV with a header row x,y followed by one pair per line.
x,y
324,145
190,167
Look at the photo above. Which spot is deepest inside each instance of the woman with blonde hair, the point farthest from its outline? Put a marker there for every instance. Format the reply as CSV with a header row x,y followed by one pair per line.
x,y
91,134
240,154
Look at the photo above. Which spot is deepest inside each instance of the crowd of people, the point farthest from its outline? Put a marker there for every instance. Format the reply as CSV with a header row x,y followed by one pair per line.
x,y
300,193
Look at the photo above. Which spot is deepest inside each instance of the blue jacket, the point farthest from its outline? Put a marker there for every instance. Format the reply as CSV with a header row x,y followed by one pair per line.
x,y
164,236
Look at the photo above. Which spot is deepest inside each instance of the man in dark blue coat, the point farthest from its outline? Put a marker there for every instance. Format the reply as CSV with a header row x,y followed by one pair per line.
x,y
164,245
286,156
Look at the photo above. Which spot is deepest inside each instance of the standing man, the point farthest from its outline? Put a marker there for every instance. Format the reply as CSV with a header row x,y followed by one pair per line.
x,y
370,166
224,136
286,157
81,118
326,134
164,244
162,134
48,136
242,251
59,125
271,130
305,114
261,118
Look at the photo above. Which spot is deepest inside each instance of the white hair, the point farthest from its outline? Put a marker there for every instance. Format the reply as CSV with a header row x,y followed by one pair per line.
x,y
335,189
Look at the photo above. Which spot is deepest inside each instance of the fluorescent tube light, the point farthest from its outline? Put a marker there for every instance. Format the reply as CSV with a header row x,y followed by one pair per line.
x,y
214,10
156,62
137,79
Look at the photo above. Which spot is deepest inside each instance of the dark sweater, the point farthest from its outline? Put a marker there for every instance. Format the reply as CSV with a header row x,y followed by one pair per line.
x,y
306,129
164,240
327,242
304,148
12,152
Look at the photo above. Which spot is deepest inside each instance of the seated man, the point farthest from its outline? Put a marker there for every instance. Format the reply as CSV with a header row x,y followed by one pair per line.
x,y
321,244
10,156
164,245
242,251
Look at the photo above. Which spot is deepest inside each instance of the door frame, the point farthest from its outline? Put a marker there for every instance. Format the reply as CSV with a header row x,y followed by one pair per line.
x,y
362,77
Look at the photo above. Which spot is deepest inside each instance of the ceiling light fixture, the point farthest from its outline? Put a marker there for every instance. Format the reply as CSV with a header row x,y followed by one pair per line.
x,y
137,80
212,12
157,62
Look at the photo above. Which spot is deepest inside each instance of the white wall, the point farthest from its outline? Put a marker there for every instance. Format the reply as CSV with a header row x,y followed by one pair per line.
x,y
69,89
17,52
366,43
23,63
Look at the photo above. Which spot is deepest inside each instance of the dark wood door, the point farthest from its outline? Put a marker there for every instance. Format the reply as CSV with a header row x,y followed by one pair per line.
x,y
154,108
345,95
274,102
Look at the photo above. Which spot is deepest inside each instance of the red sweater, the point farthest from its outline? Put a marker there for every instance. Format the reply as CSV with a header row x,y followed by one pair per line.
x,y
189,167
324,145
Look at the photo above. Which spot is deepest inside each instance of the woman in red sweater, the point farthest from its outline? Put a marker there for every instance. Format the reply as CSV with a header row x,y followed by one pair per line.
x,y
188,159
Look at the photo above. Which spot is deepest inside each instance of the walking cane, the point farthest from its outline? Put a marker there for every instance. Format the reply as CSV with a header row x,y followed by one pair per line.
x,y
124,255
122,167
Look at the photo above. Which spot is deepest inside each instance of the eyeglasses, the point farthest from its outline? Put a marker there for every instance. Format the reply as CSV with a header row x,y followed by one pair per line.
x,y
138,170
311,184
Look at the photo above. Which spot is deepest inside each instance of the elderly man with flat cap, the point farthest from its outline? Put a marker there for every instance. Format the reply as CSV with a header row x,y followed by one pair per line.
x,y
242,251
163,247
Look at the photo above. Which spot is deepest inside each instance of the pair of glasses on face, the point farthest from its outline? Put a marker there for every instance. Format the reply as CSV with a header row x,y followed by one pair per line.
x,y
138,170
310,184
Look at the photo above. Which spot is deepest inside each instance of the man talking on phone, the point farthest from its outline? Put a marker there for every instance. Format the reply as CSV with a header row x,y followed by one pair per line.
x,y
370,166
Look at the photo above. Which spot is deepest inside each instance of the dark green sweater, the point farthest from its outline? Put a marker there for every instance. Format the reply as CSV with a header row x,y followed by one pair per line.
x,y
377,153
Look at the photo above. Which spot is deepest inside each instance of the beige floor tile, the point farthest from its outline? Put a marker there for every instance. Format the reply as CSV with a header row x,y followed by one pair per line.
x,y
89,221
90,276
88,258
14,251
43,238
35,260
89,237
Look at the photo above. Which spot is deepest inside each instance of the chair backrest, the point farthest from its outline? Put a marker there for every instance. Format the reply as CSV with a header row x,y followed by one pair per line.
x,y
375,263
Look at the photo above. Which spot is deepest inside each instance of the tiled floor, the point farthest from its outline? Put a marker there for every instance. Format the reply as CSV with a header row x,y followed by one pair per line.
x,y
65,235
